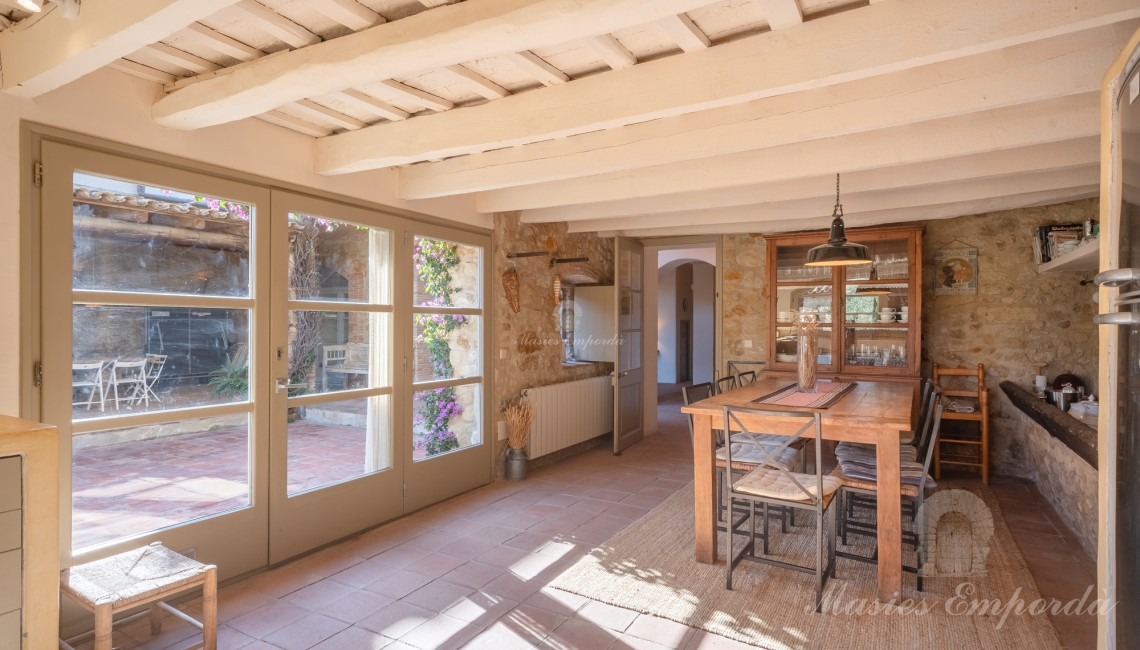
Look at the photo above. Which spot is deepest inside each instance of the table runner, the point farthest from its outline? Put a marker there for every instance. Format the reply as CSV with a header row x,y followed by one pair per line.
x,y
826,393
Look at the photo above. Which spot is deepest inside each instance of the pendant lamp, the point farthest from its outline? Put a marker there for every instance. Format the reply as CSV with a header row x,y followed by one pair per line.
x,y
838,251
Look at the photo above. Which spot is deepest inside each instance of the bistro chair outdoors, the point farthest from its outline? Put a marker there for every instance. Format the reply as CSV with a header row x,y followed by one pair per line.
x,y
154,365
131,376
88,376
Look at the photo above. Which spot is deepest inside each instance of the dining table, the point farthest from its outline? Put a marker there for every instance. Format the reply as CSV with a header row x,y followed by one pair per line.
x,y
872,412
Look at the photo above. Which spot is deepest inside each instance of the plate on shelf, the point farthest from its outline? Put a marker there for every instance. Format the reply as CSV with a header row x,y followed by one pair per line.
x,y
786,358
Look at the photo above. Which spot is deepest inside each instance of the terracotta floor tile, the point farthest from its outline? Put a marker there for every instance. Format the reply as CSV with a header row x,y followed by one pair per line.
x,y
435,565
356,638
669,634
576,634
306,632
358,605
396,619
399,584
438,595
442,632
474,574
267,619
481,608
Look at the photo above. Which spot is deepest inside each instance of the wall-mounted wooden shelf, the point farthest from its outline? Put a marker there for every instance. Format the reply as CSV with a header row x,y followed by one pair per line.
x,y
1085,257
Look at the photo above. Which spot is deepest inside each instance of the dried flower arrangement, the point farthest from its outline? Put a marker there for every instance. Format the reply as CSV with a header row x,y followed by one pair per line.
x,y
807,331
519,417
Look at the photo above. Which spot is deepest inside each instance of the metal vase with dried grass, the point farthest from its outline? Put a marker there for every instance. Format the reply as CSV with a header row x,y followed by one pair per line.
x,y
808,333
519,417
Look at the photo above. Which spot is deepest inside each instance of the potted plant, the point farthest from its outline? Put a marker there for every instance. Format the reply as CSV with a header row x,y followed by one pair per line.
x,y
519,417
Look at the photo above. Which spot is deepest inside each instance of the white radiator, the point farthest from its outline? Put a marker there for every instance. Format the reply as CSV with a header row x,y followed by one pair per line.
x,y
568,413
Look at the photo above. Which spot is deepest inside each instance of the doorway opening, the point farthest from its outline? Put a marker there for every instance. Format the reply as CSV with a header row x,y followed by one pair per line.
x,y
686,324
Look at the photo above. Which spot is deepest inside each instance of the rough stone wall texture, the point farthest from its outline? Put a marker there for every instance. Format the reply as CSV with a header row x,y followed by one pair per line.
x,y
1066,480
745,298
531,339
1019,321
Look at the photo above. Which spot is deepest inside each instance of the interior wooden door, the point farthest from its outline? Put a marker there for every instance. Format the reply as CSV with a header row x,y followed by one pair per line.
x,y
629,395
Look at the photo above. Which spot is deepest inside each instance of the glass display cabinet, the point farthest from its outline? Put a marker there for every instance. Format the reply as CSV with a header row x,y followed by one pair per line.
x,y
870,316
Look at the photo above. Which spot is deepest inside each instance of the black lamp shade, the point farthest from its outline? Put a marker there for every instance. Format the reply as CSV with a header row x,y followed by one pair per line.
x,y
838,254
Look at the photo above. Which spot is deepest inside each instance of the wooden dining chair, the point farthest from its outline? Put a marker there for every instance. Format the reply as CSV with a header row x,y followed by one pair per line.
x,y
771,484
745,378
695,393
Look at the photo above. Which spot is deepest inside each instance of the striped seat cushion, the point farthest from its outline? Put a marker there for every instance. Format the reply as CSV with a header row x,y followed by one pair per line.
x,y
770,439
775,484
911,473
752,455
907,489
854,451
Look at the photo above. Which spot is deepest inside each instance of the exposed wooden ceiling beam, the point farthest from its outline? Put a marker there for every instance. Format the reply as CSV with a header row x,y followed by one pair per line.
x,y
181,58
55,50
612,52
277,25
142,71
997,164
425,41
221,43
531,64
349,13
685,33
1055,120
325,114
900,215
434,3
294,123
819,53
413,95
476,82
781,14
1030,72
914,196
372,105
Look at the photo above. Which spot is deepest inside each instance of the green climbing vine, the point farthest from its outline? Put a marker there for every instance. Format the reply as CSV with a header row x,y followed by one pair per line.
x,y
435,260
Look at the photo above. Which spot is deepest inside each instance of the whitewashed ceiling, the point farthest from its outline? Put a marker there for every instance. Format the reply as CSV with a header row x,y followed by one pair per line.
x,y
645,117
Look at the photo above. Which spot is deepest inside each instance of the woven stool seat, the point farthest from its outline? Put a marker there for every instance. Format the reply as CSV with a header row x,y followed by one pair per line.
x,y
138,577
775,484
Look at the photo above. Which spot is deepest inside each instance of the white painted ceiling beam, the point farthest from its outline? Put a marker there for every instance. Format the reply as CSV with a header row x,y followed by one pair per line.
x,y
1055,120
55,50
434,3
181,58
855,220
914,196
1026,73
428,40
612,52
897,36
349,13
397,90
309,108
142,71
781,14
372,105
276,25
476,82
294,123
531,64
685,33
996,164
222,44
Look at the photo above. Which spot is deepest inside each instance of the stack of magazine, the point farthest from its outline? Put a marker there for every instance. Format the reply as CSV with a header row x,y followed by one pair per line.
x,y
1051,241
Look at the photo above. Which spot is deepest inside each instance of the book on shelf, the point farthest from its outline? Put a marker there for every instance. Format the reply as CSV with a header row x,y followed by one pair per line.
x,y
1048,240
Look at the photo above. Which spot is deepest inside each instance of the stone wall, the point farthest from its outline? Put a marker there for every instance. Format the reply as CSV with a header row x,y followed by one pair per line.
x,y
528,346
1018,323
1063,477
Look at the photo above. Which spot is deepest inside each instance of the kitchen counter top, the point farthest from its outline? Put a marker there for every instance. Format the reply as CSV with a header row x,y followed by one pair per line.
x,y
1078,433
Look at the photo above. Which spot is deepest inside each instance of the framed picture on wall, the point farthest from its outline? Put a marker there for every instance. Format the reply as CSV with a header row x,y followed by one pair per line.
x,y
956,271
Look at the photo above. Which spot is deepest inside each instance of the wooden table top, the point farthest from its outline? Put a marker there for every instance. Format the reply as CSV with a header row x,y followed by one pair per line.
x,y
870,404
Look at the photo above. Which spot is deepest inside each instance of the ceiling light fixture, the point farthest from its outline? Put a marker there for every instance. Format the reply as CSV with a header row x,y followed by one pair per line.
x,y
838,251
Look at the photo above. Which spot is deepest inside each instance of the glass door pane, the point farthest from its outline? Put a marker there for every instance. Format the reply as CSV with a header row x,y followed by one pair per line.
x,y
149,300
448,451
333,336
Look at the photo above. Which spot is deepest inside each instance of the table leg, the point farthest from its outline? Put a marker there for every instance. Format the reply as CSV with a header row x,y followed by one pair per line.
x,y
704,486
889,509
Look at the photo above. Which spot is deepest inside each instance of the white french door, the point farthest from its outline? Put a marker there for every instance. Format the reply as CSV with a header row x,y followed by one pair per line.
x,y
629,396
334,400
247,373
154,284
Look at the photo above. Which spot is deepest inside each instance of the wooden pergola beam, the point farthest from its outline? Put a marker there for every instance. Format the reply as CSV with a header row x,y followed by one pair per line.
x,y
429,40
856,45
55,50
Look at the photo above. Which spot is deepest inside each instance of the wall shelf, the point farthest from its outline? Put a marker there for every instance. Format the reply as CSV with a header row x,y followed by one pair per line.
x,y
1085,257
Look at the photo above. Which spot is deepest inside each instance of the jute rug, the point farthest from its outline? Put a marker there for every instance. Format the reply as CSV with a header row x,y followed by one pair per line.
x,y
649,568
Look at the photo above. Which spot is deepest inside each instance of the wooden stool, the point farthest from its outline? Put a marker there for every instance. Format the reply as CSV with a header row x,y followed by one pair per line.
x,y
979,399
145,575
